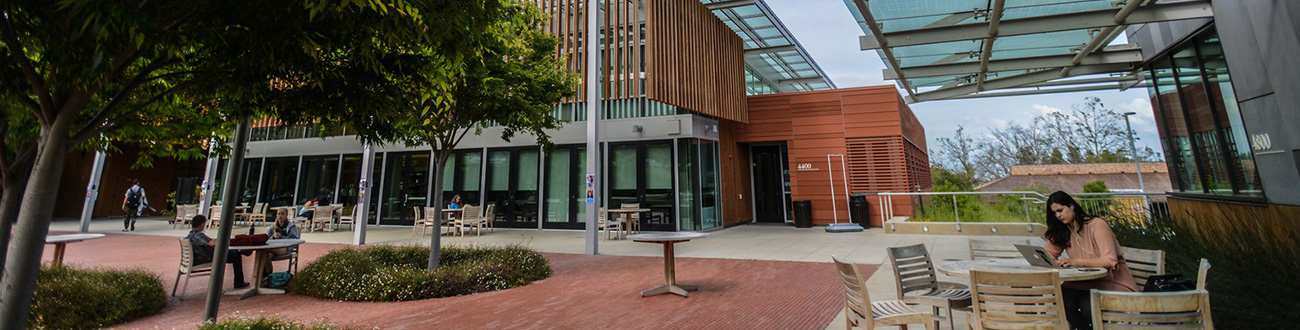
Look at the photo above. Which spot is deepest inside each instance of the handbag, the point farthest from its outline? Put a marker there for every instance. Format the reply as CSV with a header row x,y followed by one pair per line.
x,y
249,240
1169,282
278,280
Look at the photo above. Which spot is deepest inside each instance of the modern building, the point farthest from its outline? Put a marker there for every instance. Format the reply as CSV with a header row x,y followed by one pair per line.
x,y
710,112
1218,73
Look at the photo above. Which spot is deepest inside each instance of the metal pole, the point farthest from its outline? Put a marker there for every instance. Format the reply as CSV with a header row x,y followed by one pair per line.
x,y
362,210
209,178
593,117
1138,163
234,183
844,171
830,173
92,191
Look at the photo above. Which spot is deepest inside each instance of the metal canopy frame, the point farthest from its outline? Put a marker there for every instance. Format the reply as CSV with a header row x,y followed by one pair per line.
x,y
944,49
772,55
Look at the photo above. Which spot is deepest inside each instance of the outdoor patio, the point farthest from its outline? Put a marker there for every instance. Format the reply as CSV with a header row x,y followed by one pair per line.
x,y
751,276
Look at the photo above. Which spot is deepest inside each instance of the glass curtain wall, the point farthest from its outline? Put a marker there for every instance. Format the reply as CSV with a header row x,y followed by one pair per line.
x,y
565,206
318,179
462,173
279,179
349,178
641,173
698,180
406,178
512,185
1200,124
252,170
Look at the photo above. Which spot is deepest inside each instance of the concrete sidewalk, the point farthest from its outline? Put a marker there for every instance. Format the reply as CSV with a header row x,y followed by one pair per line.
x,y
756,242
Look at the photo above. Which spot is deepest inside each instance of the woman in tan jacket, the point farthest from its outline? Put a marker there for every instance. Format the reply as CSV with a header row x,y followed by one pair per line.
x,y
1089,242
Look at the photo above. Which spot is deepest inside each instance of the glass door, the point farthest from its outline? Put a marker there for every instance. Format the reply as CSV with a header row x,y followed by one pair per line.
x,y
642,173
318,178
512,185
407,185
566,168
461,177
278,181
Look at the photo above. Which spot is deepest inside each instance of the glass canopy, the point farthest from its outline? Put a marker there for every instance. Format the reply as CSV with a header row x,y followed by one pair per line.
x,y
944,49
774,60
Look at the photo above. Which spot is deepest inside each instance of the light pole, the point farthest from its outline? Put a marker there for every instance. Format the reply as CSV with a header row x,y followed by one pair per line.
x,y
1136,162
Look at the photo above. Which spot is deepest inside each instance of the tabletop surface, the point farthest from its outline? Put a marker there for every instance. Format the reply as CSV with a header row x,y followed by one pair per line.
x,y
270,244
628,210
962,268
71,237
666,237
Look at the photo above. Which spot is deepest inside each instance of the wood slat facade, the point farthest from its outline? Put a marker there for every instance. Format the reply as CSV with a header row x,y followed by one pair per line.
x,y
672,51
883,143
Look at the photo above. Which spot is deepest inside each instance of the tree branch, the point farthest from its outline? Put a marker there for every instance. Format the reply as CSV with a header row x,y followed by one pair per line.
x,y
126,91
94,127
38,84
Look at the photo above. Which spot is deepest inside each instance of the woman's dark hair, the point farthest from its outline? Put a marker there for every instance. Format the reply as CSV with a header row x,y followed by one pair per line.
x,y
1058,232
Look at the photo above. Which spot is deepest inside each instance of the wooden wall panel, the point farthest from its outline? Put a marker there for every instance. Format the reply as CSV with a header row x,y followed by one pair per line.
x,y
877,134
734,162
694,61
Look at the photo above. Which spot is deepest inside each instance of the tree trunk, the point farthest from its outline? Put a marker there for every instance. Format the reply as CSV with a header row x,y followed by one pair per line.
x,y
24,261
435,243
13,193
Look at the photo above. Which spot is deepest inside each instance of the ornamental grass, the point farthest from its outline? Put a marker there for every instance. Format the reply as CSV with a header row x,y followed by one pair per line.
x,y
386,273
268,323
70,298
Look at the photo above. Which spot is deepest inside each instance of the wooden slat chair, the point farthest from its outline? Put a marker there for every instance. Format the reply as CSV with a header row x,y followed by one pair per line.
x,y
1151,310
214,216
917,283
1202,273
471,216
860,311
184,214
611,227
490,217
635,225
1144,263
258,216
990,249
421,221
323,215
348,216
188,268
1017,300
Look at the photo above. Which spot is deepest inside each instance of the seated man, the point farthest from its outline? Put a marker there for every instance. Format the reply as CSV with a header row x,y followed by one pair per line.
x,y
202,245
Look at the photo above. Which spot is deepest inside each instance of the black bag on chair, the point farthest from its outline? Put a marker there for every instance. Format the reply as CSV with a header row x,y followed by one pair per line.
x,y
1167,283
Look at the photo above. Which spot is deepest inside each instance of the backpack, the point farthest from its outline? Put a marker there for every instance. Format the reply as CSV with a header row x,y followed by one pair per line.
x,y
133,197
277,280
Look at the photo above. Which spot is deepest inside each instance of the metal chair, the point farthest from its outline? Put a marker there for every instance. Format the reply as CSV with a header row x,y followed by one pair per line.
x,y
188,268
1151,310
1017,300
1144,263
860,311
917,283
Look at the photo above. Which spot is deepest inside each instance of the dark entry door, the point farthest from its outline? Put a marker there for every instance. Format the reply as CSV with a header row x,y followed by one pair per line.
x,y
768,192
642,173
512,185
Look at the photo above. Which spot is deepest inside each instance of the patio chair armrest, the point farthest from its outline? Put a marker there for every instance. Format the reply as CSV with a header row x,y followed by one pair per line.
x,y
952,286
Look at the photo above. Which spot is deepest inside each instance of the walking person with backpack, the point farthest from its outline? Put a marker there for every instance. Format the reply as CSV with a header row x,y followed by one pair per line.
x,y
131,204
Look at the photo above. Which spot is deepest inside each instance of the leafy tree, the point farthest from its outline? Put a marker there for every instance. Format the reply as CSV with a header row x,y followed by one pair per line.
x,y
957,153
87,71
513,83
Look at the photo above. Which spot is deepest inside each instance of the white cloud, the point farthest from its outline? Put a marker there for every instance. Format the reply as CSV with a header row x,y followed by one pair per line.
x,y
1044,109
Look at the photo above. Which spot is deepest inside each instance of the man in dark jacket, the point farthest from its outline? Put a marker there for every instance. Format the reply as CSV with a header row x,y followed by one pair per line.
x,y
203,247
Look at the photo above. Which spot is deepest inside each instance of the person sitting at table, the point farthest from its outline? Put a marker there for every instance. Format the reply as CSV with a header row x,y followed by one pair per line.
x,y
308,209
282,229
203,248
455,203
1090,243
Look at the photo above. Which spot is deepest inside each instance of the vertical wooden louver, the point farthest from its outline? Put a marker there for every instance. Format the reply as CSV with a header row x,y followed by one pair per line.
x,y
690,58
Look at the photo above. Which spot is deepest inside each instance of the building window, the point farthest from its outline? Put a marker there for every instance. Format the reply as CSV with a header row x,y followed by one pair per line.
x,y
1200,124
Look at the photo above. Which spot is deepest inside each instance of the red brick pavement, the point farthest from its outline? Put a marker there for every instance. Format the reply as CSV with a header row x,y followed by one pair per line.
x,y
586,292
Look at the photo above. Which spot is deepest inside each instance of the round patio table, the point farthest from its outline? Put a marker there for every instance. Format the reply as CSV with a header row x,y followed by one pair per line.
x,y
670,269
61,243
261,255
962,268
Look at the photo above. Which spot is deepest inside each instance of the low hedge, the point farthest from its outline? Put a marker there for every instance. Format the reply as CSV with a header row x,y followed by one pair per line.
x,y
385,273
264,323
70,298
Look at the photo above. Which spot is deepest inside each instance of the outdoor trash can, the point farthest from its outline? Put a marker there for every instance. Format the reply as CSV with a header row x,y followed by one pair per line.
x,y
859,210
803,214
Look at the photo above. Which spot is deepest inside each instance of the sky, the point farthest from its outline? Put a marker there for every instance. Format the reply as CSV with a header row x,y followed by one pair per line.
x,y
828,32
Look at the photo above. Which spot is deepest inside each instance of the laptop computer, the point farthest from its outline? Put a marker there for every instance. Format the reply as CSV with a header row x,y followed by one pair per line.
x,y
1037,256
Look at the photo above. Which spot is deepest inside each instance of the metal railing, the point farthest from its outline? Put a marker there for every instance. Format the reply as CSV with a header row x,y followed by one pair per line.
x,y
1020,206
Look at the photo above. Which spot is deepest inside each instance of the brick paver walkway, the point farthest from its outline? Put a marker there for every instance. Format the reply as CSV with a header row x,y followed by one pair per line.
x,y
586,292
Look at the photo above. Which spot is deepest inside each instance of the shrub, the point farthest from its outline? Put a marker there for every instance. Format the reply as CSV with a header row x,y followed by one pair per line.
x,y
264,323
385,273
69,298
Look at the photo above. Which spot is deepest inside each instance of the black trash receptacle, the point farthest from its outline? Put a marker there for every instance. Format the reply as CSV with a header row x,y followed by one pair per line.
x,y
859,209
803,214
